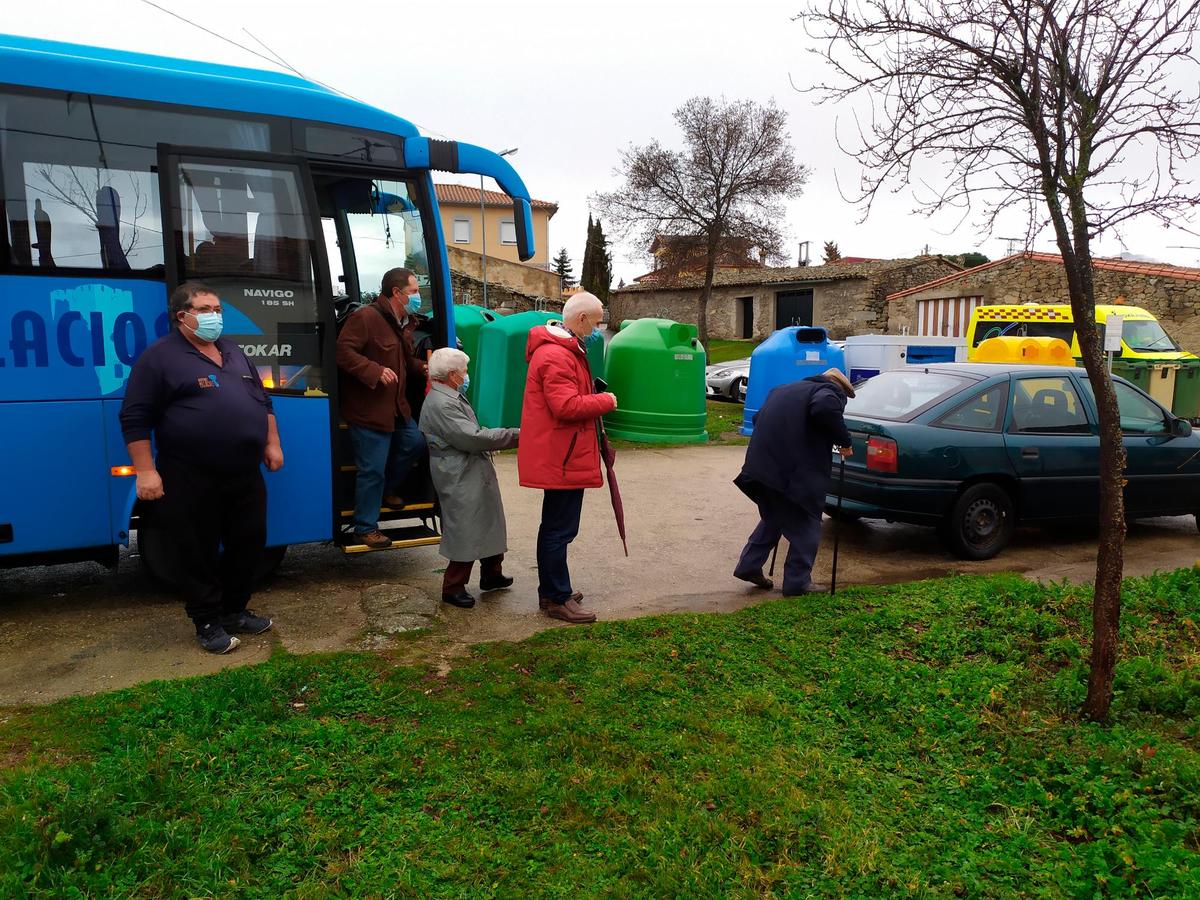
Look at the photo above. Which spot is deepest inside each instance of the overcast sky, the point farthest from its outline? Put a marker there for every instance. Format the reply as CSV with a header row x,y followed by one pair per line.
x,y
567,83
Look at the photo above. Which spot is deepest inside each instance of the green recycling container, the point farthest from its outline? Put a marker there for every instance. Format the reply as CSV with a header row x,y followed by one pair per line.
x,y
1187,390
467,322
656,369
498,390
1135,371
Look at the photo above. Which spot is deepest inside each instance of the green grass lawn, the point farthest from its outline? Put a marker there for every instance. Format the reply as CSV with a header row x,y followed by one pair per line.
x,y
912,739
724,418
724,351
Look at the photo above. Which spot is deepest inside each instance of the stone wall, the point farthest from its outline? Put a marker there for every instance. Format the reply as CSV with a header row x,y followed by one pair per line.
x,y
529,281
501,299
845,307
1175,302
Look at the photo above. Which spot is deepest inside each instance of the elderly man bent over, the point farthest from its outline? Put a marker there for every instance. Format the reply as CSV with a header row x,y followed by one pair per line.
x,y
460,461
787,474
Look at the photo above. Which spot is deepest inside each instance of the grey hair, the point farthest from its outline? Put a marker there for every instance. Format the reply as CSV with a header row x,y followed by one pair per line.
x,y
583,302
446,360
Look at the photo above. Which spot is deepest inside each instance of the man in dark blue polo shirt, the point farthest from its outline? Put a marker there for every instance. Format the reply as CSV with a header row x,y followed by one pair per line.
x,y
213,425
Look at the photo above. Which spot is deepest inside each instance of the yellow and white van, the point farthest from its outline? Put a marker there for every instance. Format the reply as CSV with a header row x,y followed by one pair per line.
x,y
1141,335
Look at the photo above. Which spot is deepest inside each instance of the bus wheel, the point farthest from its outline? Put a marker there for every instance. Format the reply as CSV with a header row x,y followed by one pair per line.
x,y
159,559
162,564
268,563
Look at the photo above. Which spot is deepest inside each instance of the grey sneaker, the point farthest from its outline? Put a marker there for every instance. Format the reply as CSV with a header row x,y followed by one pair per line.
x,y
246,622
215,639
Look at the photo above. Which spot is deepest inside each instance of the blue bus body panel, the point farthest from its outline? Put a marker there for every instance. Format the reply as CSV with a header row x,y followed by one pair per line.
x,y
122,489
300,495
54,491
75,338
139,76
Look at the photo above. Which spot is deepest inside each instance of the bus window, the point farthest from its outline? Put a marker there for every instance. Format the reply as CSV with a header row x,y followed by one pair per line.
x,y
79,179
387,235
243,229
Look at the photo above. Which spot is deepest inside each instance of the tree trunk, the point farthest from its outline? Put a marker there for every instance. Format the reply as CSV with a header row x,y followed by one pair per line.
x,y
706,295
1110,556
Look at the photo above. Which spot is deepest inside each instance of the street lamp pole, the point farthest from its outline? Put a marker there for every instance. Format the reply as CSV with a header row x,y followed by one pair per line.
x,y
483,229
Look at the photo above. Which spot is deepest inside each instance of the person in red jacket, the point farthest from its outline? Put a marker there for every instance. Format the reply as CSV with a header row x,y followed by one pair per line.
x,y
560,447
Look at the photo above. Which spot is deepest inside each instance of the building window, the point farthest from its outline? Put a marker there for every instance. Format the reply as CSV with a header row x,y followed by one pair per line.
x,y
462,230
508,231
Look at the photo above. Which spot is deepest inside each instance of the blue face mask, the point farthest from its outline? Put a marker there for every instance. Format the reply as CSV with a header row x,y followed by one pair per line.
x,y
414,303
208,326
596,335
462,388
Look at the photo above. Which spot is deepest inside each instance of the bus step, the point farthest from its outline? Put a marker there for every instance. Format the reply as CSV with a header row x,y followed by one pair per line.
x,y
411,536
402,511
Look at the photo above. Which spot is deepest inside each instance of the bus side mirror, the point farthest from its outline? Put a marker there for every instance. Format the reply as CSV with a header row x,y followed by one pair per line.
x,y
1181,428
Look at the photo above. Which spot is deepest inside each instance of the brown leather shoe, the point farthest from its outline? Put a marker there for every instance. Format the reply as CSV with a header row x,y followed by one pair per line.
x,y
544,604
571,612
393,501
375,540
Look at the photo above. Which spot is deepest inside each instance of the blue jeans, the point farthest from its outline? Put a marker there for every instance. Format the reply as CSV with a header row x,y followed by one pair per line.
x,y
560,524
383,461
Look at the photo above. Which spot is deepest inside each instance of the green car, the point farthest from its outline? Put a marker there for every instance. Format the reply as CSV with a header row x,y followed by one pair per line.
x,y
973,449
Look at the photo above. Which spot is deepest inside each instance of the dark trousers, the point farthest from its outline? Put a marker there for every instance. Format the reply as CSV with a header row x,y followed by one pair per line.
x,y
216,523
560,524
780,517
458,574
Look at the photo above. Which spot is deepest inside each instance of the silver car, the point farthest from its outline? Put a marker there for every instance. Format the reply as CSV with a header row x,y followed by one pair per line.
x,y
727,380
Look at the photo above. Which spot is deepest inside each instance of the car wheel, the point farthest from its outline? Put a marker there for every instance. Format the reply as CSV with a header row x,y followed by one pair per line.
x,y
737,390
981,523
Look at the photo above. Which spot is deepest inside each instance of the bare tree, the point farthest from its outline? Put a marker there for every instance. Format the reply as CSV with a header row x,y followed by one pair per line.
x,y
69,185
1079,113
724,187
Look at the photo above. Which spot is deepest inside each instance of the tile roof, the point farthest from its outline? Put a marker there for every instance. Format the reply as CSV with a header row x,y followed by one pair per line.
x,y
1149,270
462,195
782,275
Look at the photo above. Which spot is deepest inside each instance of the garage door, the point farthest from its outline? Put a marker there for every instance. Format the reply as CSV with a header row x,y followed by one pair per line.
x,y
947,317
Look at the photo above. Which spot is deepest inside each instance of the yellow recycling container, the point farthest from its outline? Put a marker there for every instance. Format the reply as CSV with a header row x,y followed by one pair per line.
x,y
1030,351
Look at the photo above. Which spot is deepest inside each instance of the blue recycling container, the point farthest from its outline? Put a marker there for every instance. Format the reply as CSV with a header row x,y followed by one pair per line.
x,y
788,355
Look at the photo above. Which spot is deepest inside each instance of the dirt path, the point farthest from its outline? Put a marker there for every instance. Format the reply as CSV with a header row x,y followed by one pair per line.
x,y
79,629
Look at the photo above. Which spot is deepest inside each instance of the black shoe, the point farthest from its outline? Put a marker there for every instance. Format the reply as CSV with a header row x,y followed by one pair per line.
x,y
246,622
758,579
495,584
811,588
462,600
215,639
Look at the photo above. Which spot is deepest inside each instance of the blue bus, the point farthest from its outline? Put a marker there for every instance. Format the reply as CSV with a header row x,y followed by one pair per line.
x,y
126,174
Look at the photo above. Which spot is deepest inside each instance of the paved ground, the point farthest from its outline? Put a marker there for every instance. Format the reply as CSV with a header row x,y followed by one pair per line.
x,y
79,629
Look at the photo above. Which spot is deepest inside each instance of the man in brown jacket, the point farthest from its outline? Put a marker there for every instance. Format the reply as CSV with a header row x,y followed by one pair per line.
x,y
375,356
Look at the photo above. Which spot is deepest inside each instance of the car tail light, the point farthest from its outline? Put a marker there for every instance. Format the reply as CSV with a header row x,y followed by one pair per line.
x,y
881,454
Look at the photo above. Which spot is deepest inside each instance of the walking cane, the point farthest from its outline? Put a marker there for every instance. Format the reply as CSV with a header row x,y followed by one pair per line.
x,y
837,526
774,553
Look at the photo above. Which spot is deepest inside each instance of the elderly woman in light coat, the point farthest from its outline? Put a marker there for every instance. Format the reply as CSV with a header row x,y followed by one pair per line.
x,y
460,459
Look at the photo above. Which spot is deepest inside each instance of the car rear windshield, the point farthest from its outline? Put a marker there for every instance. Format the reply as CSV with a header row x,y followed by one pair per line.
x,y
901,394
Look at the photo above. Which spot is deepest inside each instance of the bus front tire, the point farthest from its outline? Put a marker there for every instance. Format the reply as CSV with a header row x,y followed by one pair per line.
x,y
161,563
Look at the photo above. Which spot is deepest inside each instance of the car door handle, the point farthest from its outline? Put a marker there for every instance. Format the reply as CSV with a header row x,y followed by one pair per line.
x,y
1029,453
